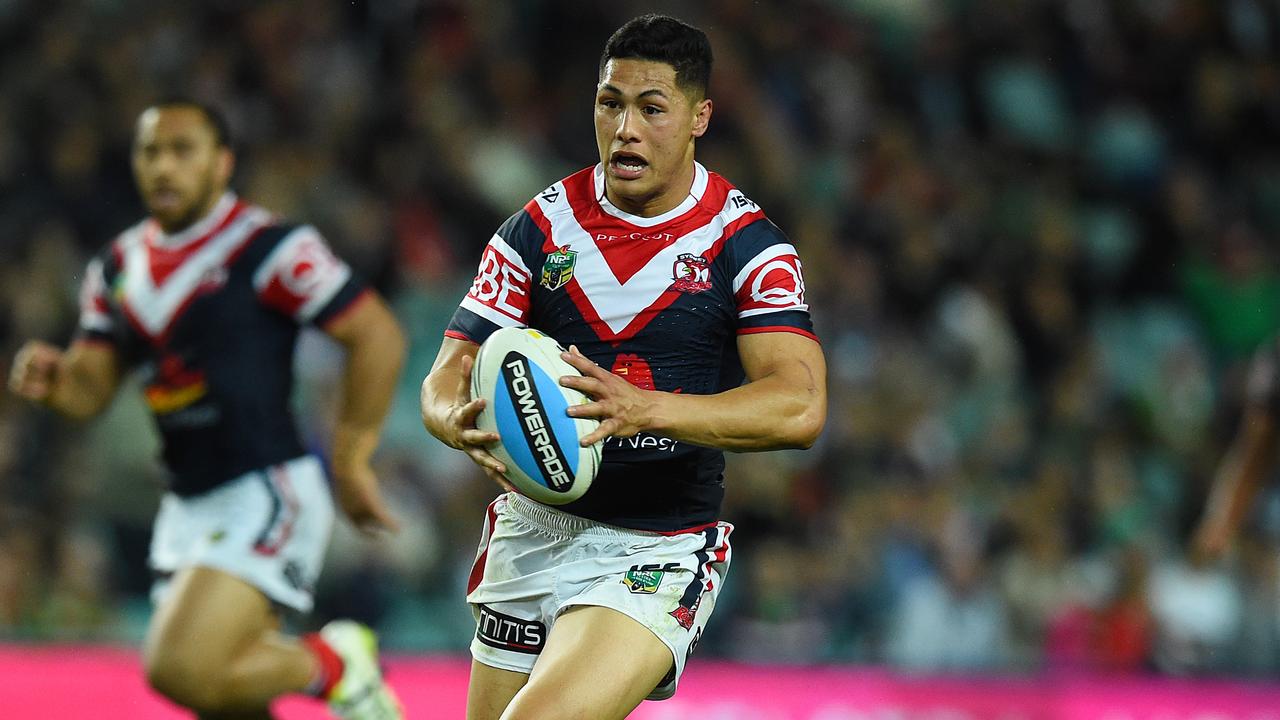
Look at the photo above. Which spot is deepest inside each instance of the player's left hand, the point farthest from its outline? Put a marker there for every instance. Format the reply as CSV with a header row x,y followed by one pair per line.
x,y
362,501
622,408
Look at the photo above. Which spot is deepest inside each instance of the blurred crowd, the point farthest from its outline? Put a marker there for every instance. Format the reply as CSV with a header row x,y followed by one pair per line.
x,y
1039,239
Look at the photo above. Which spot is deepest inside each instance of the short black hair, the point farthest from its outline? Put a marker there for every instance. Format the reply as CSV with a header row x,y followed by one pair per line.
x,y
212,115
665,39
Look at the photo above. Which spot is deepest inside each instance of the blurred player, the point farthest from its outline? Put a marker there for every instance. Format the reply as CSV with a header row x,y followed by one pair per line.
x,y
670,287
207,295
1249,461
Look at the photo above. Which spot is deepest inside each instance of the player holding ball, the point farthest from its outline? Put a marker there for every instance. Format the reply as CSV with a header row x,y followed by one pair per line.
x,y
683,311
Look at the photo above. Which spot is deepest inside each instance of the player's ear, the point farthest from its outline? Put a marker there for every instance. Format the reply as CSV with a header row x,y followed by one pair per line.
x,y
701,117
226,164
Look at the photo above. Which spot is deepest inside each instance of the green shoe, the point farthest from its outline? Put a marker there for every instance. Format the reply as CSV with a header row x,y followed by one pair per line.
x,y
361,694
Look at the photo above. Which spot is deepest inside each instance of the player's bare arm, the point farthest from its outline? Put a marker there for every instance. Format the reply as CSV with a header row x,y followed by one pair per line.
x,y
449,412
375,352
783,404
78,382
1241,475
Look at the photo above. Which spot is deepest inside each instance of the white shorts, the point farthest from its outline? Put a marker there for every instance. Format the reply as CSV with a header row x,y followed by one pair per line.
x,y
268,527
535,562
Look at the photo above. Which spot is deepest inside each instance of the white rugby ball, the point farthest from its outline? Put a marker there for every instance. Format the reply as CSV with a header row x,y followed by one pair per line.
x,y
517,371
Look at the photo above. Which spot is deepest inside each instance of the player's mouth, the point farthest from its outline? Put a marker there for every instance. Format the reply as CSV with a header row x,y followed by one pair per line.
x,y
627,165
166,199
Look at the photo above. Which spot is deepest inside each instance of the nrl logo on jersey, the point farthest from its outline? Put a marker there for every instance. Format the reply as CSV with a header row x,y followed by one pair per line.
x,y
692,273
557,269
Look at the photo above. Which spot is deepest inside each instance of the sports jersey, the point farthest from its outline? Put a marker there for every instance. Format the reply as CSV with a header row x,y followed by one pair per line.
x,y
659,301
210,315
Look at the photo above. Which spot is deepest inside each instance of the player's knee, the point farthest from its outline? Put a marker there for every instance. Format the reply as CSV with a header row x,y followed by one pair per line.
x,y
181,677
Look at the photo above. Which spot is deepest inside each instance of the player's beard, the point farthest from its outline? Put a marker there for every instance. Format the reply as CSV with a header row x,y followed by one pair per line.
x,y
206,195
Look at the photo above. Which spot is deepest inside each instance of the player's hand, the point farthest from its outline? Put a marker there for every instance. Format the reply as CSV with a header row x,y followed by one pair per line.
x,y
622,408
1211,541
362,501
460,430
35,371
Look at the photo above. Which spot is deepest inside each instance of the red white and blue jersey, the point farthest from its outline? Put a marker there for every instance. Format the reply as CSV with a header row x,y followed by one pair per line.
x,y
659,301
211,315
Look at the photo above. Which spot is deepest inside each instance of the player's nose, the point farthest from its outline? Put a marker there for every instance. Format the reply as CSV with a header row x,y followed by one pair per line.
x,y
628,126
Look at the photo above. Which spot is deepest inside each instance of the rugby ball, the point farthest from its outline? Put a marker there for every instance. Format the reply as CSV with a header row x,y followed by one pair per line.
x,y
517,371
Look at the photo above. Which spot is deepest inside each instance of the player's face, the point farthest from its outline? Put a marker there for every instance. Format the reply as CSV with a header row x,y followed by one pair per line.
x,y
180,169
645,128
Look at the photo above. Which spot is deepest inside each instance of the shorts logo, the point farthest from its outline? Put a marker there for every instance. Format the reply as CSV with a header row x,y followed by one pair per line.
x,y
645,579
692,273
686,615
504,632
557,269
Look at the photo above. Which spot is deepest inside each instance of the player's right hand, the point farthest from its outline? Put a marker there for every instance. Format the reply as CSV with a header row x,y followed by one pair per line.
x,y
460,430
35,371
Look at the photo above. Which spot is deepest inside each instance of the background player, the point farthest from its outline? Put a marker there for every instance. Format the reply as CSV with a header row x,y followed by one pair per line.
x,y
653,267
207,296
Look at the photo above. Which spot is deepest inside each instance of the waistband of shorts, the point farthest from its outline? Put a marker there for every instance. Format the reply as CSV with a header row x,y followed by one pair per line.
x,y
558,521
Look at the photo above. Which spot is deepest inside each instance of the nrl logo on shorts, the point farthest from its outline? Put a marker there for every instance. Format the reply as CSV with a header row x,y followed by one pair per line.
x,y
692,273
645,579
557,269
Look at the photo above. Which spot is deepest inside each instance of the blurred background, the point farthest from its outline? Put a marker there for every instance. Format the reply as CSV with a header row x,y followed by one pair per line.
x,y
1040,245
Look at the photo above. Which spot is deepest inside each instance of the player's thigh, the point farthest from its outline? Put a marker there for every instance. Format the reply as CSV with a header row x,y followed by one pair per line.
x,y
598,664
490,690
207,618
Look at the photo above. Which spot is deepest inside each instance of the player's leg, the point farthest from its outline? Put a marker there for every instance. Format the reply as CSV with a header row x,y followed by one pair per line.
x,y
598,664
490,690
213,646
214,643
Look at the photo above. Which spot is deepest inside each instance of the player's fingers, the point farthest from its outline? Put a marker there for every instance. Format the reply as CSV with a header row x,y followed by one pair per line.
x,y
587,410
591,386
380,520
583,365
500,480
478,438
467,413
607,428
486,461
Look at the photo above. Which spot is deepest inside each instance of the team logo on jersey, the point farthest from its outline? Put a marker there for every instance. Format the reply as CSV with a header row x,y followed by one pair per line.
x,y
692,273
557,269
645,579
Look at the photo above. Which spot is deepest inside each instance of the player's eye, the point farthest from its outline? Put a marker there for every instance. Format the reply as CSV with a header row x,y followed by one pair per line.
x,y
609,103
652,110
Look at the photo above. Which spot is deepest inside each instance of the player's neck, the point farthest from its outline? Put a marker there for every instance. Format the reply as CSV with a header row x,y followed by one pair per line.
x,y
199,222
665,200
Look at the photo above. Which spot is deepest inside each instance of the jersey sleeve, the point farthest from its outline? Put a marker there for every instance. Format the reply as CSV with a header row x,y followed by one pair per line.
x,y
499,294
768,283
303,279
97,322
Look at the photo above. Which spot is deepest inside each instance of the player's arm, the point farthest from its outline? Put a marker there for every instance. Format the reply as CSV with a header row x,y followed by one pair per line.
x,y
375,352
783,404
78,382
449,412
1242,473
